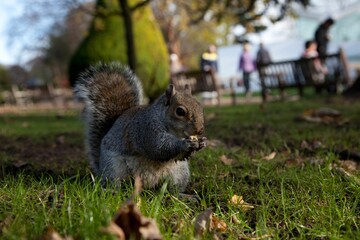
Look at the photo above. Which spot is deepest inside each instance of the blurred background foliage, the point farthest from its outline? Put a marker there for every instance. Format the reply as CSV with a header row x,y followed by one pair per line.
x,y
69,35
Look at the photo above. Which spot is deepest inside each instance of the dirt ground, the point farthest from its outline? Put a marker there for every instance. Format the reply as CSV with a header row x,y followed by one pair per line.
x,y
57,155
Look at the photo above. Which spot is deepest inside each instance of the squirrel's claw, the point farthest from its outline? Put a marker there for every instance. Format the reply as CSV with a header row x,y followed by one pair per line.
x,y
195,145
202,143
191,145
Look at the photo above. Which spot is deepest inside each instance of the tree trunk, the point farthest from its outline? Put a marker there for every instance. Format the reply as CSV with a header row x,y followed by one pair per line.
x,y
129,34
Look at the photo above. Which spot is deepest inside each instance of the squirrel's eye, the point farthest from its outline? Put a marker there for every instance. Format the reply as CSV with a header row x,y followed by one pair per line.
x,y
180,111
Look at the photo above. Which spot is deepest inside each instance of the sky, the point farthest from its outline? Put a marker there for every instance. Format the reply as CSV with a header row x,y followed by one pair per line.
x,y
8,9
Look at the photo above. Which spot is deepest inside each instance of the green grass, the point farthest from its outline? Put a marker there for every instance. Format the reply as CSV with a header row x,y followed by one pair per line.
x,y
295,195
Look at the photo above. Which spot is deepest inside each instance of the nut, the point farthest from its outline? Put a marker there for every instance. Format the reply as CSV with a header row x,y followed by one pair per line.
x,y
193,138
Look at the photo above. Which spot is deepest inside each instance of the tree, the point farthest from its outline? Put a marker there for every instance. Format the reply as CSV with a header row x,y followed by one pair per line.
x,y
109,39
4,78
190,26
18,76
63,41
243,12
186,41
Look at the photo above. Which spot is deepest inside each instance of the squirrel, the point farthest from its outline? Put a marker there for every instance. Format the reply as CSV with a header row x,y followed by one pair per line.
x,y
125,138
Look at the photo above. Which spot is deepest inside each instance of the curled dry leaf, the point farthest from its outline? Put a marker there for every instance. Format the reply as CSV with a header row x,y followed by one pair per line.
x,y
115,230
323,115
350,166
207,221
217,225
344,173
234,219
270,156
5,223
227,161
202,222
133,224
52,234
239,202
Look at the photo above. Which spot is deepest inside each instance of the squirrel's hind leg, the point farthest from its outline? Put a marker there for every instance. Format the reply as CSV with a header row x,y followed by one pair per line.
x,y
113,167
179,176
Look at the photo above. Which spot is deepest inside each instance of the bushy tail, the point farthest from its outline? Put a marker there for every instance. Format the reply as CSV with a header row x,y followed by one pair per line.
x,y
107,90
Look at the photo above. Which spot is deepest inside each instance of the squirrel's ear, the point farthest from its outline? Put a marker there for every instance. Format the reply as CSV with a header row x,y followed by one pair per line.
x,y
187,89
170,92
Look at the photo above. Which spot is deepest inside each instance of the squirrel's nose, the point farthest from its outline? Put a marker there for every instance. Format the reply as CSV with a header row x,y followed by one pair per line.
x,y
200,131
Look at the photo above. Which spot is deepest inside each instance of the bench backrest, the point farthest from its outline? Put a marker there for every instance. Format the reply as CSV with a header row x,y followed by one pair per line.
x,y
199,81
301,72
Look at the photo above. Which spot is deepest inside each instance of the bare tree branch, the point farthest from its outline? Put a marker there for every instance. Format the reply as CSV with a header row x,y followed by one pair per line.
x,y
203,11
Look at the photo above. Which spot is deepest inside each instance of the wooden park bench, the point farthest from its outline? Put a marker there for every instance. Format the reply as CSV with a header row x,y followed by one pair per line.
x,y
25,96
206,83
47,93
299,73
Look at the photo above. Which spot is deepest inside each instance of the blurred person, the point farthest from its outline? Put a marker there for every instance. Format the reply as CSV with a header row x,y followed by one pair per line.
x,y
247,66
322,36
314,70
175,64
263,56
209,59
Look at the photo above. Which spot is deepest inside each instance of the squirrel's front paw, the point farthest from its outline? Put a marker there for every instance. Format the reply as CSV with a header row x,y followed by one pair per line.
x,y
191,144
196,143
202,143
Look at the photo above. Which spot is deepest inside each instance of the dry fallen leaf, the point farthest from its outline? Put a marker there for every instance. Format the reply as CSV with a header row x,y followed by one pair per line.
x,y
217,224
239,202
133,224
234,219
296,161
350,166
270,156
323,115
52,234
344,173
207,221
202,222
115,230
130,223
5,223
227,161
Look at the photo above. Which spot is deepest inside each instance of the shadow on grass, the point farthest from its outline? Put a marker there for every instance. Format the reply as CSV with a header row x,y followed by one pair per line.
x,y
56,156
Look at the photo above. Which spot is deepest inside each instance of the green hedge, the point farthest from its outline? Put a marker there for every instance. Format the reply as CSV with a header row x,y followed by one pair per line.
x,y
106,42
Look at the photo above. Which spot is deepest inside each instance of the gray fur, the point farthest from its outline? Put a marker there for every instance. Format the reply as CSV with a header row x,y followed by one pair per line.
x,y
125,139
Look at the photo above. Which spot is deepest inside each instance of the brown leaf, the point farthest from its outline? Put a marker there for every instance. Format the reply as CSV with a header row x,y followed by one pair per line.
x,y
5,223
239,202
350,166
52,234
217,224
227,161
295,161
224,175
130,220
234,219
115,230
270,156
344,173
323,115
202,222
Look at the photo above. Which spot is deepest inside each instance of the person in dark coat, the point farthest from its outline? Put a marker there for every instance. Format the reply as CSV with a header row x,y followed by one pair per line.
x,y
263,56
322,36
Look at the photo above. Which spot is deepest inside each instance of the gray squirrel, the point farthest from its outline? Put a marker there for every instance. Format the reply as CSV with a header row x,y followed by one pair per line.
x,y
125,138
